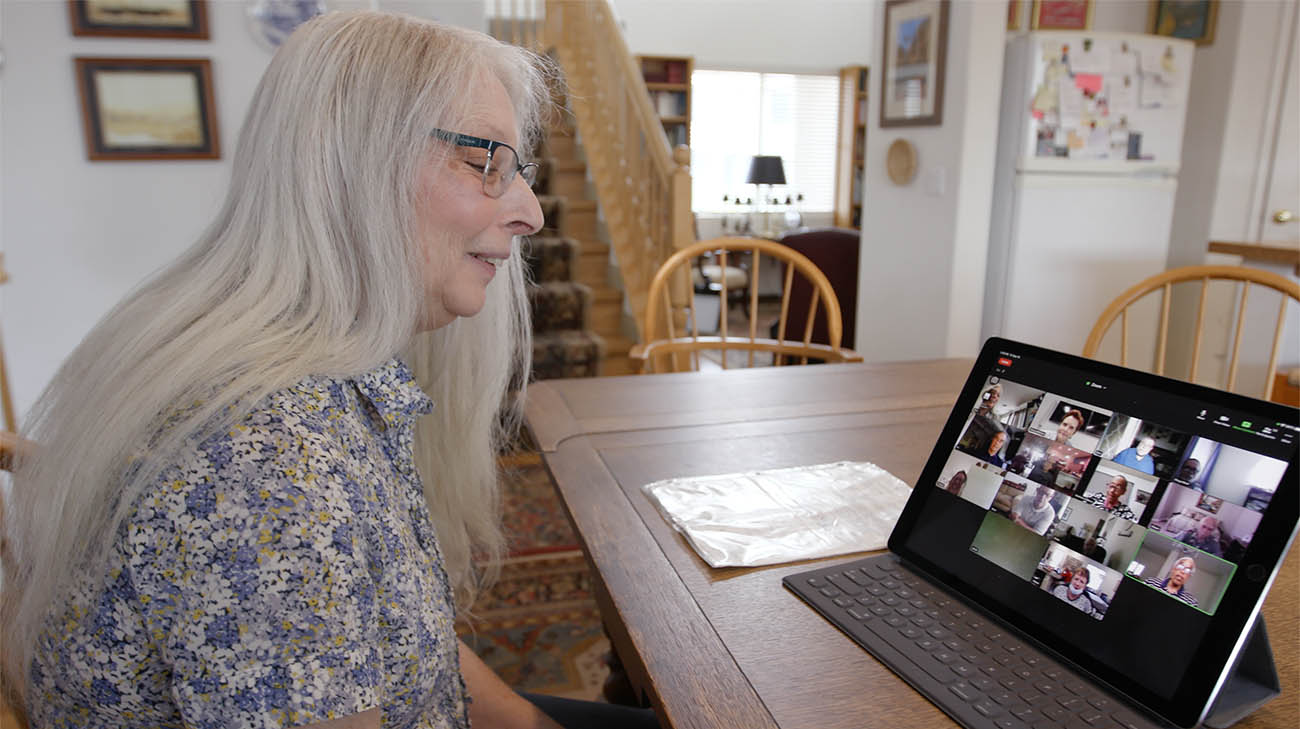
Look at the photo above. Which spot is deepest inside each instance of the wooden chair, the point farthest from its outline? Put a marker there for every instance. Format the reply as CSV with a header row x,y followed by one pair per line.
x,y
1164,283
672,329
6,402
11,448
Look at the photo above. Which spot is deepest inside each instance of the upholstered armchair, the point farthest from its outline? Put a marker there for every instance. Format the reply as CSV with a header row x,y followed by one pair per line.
x,y
835,252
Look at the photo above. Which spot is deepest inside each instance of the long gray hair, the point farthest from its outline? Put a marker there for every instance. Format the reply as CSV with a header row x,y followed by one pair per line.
x,y
311,267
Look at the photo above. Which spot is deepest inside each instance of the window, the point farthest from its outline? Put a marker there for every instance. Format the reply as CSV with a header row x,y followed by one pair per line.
x,y
737,115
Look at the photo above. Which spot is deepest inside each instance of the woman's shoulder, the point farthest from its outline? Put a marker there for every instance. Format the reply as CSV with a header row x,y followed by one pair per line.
x,y
326,404
317,438
293,434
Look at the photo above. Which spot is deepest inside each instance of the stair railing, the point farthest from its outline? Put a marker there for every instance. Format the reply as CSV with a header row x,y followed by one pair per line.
x,y
518,22
643,187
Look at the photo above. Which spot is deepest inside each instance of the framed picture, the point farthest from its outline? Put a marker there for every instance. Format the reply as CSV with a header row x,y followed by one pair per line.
x,y
1014,8
1190,19
140,18
1061,15
1209,503
916,46
147,108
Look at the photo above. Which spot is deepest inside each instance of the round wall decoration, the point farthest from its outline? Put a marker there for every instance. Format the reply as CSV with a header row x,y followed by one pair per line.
x,y
900,162
271,21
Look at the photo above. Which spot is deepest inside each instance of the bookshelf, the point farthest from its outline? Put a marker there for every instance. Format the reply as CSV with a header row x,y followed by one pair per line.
x,y
668,79
851,155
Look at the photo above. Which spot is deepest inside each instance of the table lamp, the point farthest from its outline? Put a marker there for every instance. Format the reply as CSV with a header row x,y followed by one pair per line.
x,y
765,169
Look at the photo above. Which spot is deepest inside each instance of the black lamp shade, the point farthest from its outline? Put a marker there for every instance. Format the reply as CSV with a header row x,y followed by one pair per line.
x,y
766,170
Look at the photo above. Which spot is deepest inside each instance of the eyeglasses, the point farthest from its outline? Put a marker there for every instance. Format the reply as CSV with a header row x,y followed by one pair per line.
x,y
500,161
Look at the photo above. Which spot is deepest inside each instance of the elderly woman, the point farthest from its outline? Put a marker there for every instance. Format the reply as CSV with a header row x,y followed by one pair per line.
x,y
231,519
1075,592
1174,583
1069,425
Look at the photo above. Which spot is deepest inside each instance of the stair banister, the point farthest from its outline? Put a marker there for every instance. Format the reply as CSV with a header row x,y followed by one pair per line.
x,y
643,186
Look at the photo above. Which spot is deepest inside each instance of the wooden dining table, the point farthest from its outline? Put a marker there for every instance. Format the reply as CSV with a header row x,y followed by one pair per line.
x,y
730,647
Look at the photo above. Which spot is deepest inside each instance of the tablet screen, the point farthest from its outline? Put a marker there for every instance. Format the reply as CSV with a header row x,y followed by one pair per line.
x,y
1129,523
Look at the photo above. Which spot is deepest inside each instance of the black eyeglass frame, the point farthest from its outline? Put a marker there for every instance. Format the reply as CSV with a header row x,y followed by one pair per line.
x,y
527,170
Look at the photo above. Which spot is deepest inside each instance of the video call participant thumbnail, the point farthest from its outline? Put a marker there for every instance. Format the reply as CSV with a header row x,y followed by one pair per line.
x,y
967,477
1033,509
1206,522
1049,462
984,444
1139,457
1174,582
1188,472
1087,546
1235,475
1070,424
1204,536
955,483
1143,446
1194,577
1067,422
1114,498
989,400
1075,592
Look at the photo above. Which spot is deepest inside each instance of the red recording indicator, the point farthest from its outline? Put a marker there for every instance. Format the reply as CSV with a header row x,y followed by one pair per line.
x,y
1004,361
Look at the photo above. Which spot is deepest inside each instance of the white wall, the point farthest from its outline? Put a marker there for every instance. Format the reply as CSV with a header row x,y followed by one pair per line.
x,y
77,235
1227,142
920,287
921,278
807,36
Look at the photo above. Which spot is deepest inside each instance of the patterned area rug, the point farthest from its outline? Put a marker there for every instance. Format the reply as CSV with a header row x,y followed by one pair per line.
x,y
539,627
534,518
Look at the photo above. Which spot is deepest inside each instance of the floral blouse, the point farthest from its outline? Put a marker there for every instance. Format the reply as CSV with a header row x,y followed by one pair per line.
x,y
280,574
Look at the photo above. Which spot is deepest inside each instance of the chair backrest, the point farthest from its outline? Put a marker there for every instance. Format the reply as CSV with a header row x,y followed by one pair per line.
x,y
1164,283
11,447
672,330
835,252
6,401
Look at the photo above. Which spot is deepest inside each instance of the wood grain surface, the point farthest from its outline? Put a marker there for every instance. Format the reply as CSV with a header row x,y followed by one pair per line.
x,y
731,647
559,409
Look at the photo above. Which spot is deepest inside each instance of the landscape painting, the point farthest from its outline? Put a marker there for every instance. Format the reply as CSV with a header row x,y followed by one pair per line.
x,y
147,108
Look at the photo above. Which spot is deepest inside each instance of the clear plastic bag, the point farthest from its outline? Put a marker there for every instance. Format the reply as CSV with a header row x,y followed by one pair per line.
x,y
783,515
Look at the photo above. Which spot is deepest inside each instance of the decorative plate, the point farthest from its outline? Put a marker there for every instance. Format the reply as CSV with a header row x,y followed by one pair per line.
x,y
900,162
271,21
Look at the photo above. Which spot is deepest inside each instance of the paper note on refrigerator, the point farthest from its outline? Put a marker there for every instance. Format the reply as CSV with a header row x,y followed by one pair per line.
x,y
1089,59
1124,60
1121,93
1088,83
1156,92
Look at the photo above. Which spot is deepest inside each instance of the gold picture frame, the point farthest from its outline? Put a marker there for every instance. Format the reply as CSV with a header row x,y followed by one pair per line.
x,y
1061,15
147,108
1192,20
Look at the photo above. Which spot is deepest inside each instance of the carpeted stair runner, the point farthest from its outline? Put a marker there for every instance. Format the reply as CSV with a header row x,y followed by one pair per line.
x,y
563,345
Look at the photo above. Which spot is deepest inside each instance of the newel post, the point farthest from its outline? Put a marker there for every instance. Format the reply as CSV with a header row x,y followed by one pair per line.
x,y
681,226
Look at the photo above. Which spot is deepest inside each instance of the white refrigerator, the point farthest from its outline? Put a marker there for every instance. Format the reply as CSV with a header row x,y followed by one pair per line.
x,y
1089,137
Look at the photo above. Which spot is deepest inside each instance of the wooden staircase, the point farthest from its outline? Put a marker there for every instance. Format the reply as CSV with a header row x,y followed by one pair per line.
x,y
610,147
593,268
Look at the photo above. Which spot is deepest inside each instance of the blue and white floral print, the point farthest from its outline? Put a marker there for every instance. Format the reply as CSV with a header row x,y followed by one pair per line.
x,y
279,574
